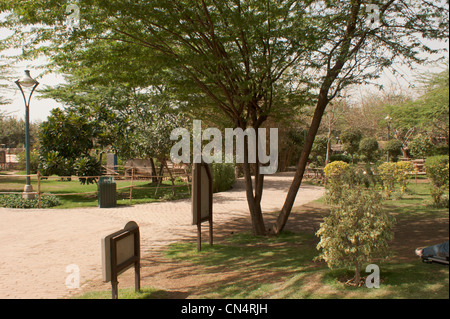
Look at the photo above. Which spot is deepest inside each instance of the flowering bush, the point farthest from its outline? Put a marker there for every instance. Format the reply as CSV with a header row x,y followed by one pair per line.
x,y
356,231
437,168
402,169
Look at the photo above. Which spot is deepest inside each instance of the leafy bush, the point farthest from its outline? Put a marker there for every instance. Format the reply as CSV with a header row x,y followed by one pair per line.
x,y
319,151
34,161
17,201
53,163
340,157
351,138
337,174
421,146
356,231
386,172
368,147
87,166
223,176
437,168
401,174
394,147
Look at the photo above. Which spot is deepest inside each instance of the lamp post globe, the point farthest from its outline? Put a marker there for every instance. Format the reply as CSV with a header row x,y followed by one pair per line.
x,y
27,82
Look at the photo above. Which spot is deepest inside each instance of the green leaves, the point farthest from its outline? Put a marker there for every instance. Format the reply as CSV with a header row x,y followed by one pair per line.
x,y
357,229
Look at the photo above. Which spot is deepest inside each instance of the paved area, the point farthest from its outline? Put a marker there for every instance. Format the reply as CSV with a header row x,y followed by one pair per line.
x,y
38,246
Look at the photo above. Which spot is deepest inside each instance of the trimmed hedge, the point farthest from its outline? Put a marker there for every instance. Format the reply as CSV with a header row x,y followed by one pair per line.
x,y
17,201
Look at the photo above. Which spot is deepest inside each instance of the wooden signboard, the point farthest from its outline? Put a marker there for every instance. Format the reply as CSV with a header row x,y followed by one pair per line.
x,y
202,200
120,251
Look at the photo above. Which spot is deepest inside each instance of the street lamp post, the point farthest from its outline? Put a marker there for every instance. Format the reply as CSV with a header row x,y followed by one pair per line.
x,y
388,120
28,82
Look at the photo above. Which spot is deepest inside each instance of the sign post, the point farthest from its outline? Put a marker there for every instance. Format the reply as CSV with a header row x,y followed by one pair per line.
x,y
202,202
120,251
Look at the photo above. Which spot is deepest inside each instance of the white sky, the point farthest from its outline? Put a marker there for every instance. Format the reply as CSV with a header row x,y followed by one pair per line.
x,y
40,108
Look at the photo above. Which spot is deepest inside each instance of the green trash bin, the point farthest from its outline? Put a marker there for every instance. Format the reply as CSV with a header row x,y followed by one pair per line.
x,y
106,192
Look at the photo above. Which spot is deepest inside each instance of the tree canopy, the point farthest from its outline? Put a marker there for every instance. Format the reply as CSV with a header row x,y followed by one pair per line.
x,y
237,58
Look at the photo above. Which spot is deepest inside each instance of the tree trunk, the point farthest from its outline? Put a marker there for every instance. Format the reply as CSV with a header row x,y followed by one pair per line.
x,y
327,159
154,172
322,102
301,166
171,177
357,273
254,198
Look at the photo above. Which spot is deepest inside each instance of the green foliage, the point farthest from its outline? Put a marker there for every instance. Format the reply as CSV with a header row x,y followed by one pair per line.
x,y
67,139
351,139
402,169
12,131
421,146
392,173
437,168
429,113
223,176
356,231
319,150
87,166
394,147
53,163
335,173
17,201
368,147
34,161
340,157
386,172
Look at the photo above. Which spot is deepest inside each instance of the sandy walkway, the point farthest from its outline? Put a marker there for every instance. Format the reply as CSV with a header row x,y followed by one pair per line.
x,y
38,245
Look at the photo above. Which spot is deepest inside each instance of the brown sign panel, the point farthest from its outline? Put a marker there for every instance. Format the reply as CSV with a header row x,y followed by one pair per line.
x,y
202,200
201,193
121,251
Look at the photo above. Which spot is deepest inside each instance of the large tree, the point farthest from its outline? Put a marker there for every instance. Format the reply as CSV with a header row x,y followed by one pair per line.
x,y
365,38
227,56
232,56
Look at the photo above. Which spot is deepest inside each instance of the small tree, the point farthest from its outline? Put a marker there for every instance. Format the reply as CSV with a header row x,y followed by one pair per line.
x,y
336,174
368,147
357,229
394,147
386,172
402,169
437,168
421,147
351,140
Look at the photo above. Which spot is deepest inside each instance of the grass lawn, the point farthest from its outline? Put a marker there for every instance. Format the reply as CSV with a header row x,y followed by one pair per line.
x,y
243,266
143,191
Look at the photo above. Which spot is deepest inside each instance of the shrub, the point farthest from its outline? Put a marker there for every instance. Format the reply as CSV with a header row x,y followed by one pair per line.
x,y
386,172
368,147
223,176
356,231
394,147
340,157
17,201
421,146
437,168
401,174
336,174
350,139
34,161
87,166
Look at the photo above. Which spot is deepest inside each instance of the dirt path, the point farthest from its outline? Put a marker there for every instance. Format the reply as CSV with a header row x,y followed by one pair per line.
x,y
39,245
